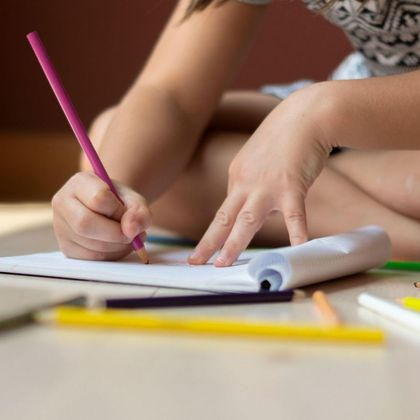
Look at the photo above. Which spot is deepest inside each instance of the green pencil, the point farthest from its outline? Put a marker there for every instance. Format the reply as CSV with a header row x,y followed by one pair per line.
x,y
402,265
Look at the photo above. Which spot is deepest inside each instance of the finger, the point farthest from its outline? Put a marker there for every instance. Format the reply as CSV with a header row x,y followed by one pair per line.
x,y
249,221
73,250
96,195
135,221
218,230
137,216
294,214
84,222
65,231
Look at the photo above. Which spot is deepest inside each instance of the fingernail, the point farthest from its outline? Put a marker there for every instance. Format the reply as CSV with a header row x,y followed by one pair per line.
x,y
221,260
297,240
196,257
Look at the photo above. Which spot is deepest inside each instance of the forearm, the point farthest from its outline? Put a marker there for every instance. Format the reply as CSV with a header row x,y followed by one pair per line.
x,y
149,140
157,126
377,113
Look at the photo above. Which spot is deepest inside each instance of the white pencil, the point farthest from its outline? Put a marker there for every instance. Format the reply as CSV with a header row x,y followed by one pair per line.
x,y
391,311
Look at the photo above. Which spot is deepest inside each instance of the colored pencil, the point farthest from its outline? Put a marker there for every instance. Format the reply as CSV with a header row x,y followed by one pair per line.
x,y
390,311
402,265
410,302
28,315
324,306
138,320
200,300
77,125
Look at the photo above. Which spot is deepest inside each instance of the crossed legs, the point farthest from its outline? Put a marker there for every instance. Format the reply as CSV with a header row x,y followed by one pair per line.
x,y
356,188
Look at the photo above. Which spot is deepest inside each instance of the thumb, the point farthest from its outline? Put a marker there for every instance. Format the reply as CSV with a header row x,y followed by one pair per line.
x,y
137,216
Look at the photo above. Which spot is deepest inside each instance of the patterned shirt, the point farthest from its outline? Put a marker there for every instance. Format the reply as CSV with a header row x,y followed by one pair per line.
x,y
386,33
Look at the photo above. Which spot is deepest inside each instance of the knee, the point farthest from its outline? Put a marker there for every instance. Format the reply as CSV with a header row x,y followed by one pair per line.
x,y
411,188
405,252
242,110
100,124
406,247
96,131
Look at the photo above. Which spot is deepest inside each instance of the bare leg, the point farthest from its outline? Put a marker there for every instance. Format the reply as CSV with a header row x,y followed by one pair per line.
x,y
334,203
391,177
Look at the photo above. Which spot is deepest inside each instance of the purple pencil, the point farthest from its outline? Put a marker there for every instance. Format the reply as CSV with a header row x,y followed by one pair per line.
x,y
77,126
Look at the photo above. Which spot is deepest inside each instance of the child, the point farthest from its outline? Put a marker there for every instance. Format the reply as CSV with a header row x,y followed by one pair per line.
x,y
178,139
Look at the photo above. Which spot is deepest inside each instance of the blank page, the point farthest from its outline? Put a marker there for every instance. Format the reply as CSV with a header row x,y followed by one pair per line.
x,y
168,268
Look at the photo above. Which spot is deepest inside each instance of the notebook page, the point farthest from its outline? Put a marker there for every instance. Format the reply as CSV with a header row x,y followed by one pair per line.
x,y
283,268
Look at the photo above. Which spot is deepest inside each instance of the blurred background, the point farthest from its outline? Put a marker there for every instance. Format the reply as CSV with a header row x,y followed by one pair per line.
x,y
98,48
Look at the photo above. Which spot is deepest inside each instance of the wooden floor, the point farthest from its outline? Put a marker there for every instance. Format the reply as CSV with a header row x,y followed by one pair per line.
x,y
69,373
23,216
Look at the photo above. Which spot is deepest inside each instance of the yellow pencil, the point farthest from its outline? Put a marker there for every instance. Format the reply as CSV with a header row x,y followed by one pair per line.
x,y
327,311
411,302
114,318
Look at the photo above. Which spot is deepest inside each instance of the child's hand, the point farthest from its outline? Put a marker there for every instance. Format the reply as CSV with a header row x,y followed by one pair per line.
x,y
91,223
271,173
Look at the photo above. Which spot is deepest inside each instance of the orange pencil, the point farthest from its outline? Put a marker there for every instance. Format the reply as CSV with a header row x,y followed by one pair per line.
x,y
327,311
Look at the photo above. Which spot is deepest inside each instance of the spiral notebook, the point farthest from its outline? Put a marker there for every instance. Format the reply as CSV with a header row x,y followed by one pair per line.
x,y
276,269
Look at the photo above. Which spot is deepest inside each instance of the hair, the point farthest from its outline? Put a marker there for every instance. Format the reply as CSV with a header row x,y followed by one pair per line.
x,y
198,5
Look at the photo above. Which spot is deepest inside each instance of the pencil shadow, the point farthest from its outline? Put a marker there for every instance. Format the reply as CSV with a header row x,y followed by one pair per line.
x,y
9,328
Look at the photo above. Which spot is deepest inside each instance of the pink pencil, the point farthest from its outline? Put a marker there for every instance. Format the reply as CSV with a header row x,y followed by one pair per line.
x,y
77,126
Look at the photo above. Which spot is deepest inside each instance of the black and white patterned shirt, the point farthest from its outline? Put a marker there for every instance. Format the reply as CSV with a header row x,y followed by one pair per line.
x,y
385,34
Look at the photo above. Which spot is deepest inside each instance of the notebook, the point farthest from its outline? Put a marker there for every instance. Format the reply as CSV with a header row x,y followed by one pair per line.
x,y
276,269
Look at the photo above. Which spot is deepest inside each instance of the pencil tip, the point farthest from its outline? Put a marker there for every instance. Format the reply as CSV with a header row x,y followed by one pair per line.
x,y
142,254
298,293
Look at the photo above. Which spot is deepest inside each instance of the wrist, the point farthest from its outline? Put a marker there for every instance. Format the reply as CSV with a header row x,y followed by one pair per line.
x,y
322,103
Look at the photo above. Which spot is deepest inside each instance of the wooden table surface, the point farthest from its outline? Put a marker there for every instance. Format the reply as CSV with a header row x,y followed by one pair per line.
x,y
69,373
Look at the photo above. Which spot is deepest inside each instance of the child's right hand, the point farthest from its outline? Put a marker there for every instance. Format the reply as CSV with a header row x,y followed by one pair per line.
x,y
91,223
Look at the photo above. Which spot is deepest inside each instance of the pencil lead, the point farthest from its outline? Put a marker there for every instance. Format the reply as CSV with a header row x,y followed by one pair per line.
x,y
142,254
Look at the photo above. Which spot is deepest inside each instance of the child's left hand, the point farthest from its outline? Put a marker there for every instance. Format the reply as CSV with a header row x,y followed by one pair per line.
x,y
271,173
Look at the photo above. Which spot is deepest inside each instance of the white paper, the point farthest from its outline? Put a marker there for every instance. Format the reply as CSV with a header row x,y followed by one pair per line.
x,y
168,268
322,259
317,260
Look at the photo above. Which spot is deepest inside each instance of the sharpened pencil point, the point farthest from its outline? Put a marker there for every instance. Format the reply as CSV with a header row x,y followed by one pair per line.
x,y
142,254
299,294
331,317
